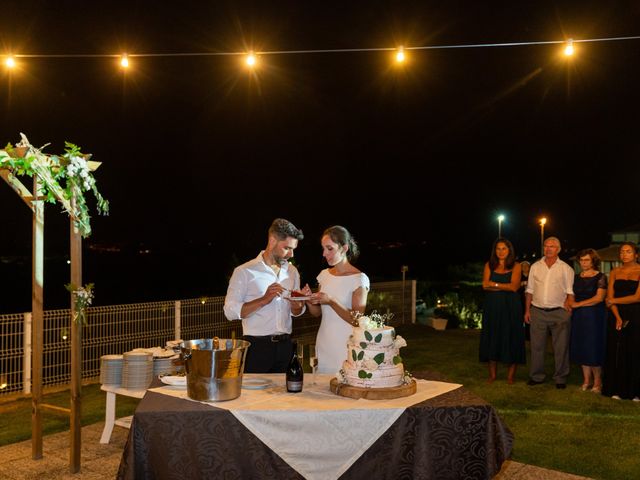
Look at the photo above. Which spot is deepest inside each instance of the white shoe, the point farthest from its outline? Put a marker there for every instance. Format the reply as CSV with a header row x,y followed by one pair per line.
x,y
636,399
615,397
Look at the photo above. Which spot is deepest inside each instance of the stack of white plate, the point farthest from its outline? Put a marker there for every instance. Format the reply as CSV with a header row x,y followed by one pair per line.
x,y
164,365
111,370
137,370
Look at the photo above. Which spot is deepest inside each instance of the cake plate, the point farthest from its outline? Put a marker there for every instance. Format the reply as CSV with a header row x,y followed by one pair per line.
x,y
373,393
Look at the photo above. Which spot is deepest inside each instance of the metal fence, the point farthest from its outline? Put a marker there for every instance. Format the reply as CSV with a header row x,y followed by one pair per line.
x,y
115,329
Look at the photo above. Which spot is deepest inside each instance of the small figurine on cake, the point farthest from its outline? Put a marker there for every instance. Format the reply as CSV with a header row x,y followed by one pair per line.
x,y
373,356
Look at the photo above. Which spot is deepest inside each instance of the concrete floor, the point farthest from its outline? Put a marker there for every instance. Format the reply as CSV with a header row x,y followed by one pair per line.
x,y
100,462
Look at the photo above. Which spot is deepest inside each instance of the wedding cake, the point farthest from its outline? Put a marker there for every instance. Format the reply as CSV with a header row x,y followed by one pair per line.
x,y
373,355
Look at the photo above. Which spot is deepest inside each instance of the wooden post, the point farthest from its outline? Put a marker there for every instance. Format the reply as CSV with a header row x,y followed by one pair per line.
x,y
76,349
37,279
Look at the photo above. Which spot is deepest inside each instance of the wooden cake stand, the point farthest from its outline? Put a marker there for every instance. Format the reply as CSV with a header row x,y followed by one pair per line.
x,y
373,393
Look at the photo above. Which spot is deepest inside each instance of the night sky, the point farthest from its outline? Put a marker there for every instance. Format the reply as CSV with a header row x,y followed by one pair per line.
x,y
421,158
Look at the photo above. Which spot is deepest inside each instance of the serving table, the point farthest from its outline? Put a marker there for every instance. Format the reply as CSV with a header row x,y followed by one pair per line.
x,y
316,435
110,419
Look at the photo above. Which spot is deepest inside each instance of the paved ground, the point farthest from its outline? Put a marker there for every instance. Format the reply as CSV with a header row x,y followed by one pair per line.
x,y
100,462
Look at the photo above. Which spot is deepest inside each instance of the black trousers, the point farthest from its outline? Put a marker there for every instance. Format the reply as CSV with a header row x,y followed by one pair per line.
x,y
267,356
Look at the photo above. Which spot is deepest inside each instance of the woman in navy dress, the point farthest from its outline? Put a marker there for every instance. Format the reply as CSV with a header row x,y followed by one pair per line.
x,y
588,320
502,336
622,364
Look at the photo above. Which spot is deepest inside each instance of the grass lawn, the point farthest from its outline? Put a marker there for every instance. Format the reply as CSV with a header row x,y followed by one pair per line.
x,y
568,430
15,416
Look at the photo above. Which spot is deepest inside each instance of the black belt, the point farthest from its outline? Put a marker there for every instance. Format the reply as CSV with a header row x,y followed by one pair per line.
x,y
552,309
281,337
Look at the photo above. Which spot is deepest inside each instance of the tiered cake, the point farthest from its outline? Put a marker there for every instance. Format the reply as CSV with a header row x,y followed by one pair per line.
x,y
373,362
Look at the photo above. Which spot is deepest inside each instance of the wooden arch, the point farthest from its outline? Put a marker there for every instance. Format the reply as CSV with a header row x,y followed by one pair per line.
x,y
35,202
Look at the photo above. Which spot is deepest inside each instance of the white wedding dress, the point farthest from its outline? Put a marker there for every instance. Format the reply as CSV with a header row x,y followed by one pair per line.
x,y
334,332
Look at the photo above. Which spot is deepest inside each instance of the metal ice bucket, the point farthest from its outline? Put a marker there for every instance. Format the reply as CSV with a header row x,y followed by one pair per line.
x,y
214,367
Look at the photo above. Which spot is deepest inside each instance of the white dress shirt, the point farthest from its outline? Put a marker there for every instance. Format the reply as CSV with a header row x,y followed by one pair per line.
x,y
250,281
549,286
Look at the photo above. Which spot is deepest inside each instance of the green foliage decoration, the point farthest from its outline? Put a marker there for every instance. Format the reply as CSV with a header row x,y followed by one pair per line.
x,y
62,176
82,297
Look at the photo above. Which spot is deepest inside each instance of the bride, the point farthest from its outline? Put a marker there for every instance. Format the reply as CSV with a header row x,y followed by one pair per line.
x,y
343,290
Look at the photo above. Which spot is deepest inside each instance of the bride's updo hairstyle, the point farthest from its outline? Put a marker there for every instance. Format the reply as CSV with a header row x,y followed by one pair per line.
x,y
342,237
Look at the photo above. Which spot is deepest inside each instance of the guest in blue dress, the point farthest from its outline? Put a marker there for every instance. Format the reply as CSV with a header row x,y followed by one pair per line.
x,y
588,320
502,336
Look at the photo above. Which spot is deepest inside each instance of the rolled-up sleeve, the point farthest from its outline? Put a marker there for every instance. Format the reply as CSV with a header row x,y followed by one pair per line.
x,y
235,295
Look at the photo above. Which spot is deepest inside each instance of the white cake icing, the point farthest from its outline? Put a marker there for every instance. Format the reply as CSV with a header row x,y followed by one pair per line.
x,y
373,357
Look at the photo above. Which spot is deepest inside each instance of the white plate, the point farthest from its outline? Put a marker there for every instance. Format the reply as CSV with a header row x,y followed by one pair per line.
x,y
256,383
174,380
299,298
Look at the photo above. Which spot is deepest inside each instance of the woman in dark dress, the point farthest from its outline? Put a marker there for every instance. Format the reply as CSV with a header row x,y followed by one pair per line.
x,y
622,364
588,320
502,336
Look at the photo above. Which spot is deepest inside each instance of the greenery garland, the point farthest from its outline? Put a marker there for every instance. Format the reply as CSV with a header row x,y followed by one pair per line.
x,y
63,176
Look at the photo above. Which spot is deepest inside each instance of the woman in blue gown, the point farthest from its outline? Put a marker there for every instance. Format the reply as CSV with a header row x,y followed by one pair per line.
x,y
588,320
502,336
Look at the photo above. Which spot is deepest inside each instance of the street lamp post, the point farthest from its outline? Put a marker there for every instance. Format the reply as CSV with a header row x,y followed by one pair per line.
x,y
500,220
543,222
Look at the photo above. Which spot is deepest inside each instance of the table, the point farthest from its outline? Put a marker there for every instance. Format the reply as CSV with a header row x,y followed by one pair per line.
x,y
110,419
455,435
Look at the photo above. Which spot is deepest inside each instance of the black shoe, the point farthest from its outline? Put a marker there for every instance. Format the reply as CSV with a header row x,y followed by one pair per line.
x,y
561,386
532,382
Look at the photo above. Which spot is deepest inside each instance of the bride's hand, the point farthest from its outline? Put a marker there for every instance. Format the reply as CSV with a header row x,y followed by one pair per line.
x,y
306,290
320,298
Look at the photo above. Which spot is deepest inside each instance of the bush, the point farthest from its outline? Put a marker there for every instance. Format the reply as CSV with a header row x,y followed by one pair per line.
x,y
461,312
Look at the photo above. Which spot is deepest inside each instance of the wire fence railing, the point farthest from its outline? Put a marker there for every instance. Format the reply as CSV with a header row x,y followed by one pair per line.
x,y
115,329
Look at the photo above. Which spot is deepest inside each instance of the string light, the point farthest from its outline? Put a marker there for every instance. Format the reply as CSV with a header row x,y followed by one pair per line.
x,y
251,60
568,49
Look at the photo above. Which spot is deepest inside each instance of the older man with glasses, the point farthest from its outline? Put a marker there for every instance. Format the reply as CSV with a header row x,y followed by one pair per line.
x,y
549,295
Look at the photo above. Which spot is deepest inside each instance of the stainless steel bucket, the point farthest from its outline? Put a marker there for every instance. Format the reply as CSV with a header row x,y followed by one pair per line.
x,y
214,367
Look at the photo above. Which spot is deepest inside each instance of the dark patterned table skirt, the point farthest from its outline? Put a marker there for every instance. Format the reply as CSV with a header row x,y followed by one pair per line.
x,y
456,435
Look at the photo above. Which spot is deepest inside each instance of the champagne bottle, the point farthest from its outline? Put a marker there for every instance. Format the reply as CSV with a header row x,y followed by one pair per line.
x,y
294,373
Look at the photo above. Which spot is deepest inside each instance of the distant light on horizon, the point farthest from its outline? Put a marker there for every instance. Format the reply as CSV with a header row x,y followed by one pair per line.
x,y
400,58
10,62
124,61
251,60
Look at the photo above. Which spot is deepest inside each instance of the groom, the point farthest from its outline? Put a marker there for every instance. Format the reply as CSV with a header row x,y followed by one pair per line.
x,y
255,296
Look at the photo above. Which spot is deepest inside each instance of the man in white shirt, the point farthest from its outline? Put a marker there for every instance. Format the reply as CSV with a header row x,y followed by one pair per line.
x,y
547,308
258,295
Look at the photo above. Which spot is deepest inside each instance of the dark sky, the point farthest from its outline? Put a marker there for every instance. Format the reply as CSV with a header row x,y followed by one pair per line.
x,y
428,154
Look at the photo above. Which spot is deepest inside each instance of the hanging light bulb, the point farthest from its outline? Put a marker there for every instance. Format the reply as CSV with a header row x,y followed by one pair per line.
x,y
568,49
124,61
10,62
400,58
251,60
